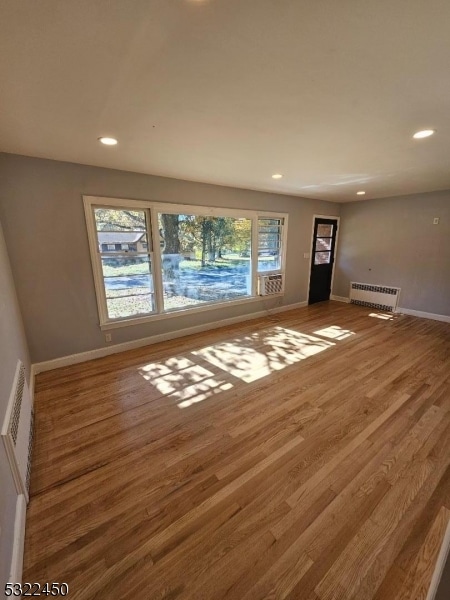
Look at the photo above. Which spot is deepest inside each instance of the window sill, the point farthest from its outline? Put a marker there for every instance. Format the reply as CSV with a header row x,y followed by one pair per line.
x,y
182,312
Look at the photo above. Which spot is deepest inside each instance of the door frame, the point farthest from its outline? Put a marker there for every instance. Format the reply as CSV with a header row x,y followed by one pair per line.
x,y
335,218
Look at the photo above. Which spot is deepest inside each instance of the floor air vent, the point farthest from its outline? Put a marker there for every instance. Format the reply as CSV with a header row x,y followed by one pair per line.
x,y
17,431
374,296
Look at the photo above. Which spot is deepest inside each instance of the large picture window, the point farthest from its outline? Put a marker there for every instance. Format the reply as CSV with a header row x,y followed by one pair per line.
x,y
151,260
204,259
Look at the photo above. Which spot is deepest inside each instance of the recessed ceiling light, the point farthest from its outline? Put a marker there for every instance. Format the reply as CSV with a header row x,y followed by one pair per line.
x,y
277,176
108,141
361,193
423,133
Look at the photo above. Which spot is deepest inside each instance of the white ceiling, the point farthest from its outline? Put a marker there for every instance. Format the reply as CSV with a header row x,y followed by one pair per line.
x,y
326,92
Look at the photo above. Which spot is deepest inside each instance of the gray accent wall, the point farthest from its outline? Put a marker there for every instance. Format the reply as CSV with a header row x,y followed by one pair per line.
x,y
42,213
393,242
12,347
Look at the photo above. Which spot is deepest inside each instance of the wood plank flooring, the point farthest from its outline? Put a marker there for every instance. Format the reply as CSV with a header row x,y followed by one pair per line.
x,y
299,456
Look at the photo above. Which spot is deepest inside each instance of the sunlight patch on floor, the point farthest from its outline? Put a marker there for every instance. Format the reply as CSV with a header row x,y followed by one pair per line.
x,y
174,363
183,381
248,358
384,316
334,332
255,356
173,381
201,391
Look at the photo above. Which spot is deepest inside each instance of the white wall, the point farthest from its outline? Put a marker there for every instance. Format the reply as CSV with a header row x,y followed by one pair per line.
x,y
12,347
42,212
393,242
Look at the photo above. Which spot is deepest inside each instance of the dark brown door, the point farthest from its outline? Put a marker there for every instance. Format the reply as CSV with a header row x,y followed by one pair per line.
x,y
322,259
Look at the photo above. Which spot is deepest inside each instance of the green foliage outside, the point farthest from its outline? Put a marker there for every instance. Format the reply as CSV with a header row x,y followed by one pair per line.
x,y
201,243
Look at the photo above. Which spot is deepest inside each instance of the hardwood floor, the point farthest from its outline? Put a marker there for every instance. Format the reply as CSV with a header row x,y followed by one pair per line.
x,y
300,456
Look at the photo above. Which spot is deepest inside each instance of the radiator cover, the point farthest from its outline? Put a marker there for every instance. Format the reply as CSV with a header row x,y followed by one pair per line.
x,y
17,431
381,297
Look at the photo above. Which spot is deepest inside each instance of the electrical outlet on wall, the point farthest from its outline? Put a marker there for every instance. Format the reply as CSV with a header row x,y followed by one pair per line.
x,y
436,221
108,337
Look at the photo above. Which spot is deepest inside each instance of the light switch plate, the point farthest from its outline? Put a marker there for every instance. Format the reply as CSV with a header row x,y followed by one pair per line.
x,y
436,221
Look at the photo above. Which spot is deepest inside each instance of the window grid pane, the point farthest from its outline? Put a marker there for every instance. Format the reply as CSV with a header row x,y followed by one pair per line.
x,y
323,243
325,230
322,258
270,233
123,245
120,219
128,285
204,259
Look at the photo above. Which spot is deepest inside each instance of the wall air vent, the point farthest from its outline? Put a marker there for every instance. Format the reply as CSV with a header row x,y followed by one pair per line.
x,y
17,431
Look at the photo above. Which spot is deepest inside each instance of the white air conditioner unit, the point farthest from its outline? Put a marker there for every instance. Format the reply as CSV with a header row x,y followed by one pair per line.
x,y
270,284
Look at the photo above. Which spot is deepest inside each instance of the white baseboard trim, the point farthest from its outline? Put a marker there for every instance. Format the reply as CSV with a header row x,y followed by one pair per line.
x,y
280,309
339,298
440,564
15,573
31,383
423,315
73,359
404,311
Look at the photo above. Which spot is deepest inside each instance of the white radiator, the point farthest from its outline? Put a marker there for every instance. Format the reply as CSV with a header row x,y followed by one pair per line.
x,y
17,431
374,296
270,284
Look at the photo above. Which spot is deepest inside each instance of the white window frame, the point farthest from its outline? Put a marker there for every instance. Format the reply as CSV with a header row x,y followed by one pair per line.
x,y
282,253
153,208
